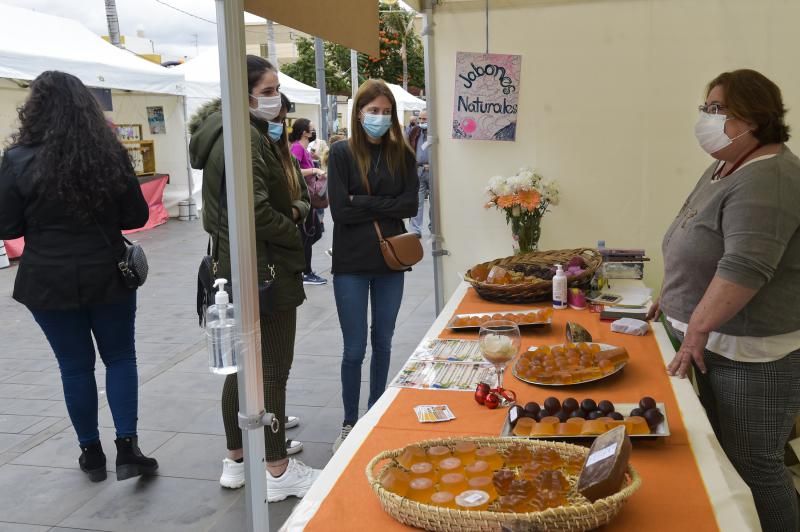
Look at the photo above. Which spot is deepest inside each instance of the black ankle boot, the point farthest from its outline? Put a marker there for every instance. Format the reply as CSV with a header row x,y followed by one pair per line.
x,y
93,462
130,460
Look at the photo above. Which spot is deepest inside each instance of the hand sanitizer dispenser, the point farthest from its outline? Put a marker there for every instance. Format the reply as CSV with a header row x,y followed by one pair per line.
x,y
221,333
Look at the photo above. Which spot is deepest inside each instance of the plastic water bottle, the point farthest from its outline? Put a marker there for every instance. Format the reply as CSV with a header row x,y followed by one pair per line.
x,y
221,333
559,289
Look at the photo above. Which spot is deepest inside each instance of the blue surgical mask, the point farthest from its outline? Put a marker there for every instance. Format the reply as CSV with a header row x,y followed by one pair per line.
x,y
275,130
423,126
376,126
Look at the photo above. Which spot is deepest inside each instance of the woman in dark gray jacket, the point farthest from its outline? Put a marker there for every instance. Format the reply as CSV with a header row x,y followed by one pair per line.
x,y
67,186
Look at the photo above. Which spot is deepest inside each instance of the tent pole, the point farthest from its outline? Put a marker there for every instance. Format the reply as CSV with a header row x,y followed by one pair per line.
x,y
353,75
430,97
319,60
188,165
241,231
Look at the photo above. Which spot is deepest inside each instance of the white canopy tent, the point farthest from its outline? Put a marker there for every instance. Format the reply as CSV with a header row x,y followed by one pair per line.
x,y
202,80
202,85
33,42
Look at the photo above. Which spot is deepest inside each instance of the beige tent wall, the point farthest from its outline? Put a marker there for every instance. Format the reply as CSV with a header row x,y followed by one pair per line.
x,y
609,96
171,156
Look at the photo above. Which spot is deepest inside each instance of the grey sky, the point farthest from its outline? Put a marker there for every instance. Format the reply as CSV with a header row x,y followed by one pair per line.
x,y
173,33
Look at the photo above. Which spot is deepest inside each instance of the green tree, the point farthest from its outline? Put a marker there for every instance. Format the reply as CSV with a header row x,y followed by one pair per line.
x,y
400,60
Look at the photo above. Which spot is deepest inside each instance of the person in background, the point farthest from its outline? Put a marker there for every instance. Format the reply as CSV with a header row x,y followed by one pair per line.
x,y
732,282
373,178
412,123
418,139
302,134
281,202
67,185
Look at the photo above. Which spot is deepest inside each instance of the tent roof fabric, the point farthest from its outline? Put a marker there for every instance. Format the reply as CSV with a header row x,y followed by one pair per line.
x,y
202,80
405,99
33,42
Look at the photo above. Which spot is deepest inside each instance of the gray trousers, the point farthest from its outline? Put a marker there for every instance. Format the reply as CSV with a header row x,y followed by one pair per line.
x,y
751,407
424,189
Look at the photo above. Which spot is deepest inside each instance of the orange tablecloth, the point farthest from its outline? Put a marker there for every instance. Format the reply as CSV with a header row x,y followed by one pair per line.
x,y
672,497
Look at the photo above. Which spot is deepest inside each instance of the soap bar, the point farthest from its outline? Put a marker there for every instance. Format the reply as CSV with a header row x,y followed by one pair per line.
x,y
604,469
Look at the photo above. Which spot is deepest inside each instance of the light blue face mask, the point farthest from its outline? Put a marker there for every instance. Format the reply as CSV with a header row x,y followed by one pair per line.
x,y
376,126
275,130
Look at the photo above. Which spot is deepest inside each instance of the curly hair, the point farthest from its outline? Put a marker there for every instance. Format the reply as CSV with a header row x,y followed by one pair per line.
x,y
80,158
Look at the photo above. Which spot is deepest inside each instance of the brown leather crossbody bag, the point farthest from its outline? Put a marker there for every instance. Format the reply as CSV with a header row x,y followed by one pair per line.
x,y
399,252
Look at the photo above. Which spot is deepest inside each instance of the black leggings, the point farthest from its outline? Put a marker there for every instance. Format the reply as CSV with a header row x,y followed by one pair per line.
x,y
312,231
277,352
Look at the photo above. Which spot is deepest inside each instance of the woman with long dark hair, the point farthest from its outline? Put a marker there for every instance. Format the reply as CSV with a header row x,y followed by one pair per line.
x,y
303,133
67,185
373,177
281,201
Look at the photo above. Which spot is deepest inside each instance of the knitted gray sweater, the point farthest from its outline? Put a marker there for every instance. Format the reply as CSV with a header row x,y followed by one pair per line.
x,y
743,228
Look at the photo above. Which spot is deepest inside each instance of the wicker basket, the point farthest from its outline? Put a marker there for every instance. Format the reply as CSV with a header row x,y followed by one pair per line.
x,y
580,515
538,289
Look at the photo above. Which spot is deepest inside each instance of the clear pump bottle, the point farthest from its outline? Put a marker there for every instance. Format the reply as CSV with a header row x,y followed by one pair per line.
x,y
221,333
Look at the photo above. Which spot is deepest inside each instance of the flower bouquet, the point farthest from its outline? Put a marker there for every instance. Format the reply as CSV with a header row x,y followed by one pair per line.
x,y
525,197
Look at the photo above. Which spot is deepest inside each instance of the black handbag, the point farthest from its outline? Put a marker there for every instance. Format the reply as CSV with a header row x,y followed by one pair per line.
x,y
207,274
132,265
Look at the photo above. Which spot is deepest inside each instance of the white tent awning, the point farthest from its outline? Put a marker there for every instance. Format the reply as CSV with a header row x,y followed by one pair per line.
x,y
33,42
406,100
202,80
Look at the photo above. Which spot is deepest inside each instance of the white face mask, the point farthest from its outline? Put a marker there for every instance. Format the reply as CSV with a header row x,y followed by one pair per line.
x,y
268,107
710,132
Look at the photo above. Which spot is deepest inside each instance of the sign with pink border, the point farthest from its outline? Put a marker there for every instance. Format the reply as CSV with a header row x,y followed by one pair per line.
x,y
487,92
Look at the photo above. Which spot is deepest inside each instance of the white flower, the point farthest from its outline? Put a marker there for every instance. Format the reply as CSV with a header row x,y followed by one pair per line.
x,y
550,192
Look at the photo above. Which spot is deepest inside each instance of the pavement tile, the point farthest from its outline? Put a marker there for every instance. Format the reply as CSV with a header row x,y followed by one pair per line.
x,y
209,421
33,407
62,451
194,456
12,424
52,377
42,425
43,495
186,385
157,504
311,392
29,391
234,518
9,441
19,527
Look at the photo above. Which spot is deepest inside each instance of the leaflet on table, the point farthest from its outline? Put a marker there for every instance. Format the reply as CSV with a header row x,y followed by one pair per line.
x,y
428,374
436,349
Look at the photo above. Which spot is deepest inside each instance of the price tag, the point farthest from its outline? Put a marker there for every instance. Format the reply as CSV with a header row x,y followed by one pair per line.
x,y
602,454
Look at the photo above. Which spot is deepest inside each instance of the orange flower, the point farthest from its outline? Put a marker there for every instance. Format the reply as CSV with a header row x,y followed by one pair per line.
x,y
529,199
506,201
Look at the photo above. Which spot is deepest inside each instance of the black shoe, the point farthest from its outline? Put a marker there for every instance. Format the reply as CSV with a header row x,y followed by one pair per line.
x,y
93,462
130,460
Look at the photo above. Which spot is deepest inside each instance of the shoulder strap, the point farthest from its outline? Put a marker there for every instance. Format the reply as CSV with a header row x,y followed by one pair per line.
x,y
375,222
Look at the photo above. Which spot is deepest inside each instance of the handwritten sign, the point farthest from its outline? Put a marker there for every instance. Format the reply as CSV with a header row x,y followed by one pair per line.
x,y
487,92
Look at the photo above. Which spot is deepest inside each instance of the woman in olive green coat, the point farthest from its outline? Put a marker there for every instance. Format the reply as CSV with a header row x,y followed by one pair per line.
x,y
280,201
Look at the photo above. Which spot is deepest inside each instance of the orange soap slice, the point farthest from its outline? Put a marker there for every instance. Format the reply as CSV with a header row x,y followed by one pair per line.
x,y
569,429
524,426
593,427
637,425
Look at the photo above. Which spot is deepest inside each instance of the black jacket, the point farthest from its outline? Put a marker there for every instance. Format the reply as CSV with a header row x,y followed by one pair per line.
x,y
355,241
66,264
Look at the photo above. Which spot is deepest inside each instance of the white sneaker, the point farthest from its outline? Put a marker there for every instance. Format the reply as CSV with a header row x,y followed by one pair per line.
x,y
342,436
294,482
293,446
232,474
291,422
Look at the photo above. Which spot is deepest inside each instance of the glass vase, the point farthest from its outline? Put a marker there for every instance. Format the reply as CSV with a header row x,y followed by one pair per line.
x,y
526,232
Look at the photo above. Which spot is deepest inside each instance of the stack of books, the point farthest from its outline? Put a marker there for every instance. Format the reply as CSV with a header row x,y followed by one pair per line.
x,y
623,263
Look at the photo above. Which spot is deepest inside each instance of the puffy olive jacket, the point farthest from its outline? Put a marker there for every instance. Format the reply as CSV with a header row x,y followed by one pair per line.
x,y
278,239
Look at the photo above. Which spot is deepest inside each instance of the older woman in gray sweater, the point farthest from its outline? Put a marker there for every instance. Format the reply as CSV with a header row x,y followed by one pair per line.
x,y
732,285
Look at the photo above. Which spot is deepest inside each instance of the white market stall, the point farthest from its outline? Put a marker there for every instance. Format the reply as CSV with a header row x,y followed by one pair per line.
x,y
33,42
202,85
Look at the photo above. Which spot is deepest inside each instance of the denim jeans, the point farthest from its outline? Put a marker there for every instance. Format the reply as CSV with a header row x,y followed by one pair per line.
x,y
70,335
424,190
353,293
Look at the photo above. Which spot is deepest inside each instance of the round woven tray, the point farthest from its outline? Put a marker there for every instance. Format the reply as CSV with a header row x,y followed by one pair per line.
x,y
580,515
539,289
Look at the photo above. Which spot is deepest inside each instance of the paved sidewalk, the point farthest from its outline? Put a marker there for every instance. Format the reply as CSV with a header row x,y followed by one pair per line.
x,y
179,416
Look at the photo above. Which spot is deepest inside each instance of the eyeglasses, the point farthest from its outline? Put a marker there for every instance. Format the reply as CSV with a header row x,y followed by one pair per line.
x,y
712,108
